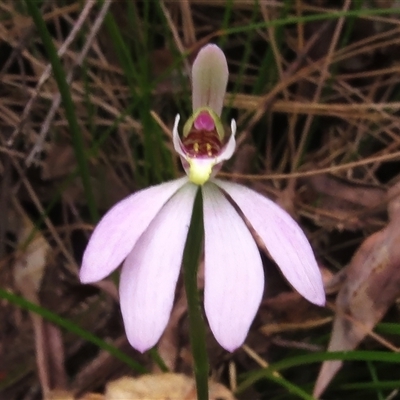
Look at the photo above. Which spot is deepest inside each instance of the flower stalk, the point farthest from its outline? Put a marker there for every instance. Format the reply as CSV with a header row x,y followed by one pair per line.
x,y
190,263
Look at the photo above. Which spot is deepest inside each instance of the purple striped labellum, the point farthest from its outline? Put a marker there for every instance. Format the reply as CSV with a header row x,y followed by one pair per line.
x,y
203,134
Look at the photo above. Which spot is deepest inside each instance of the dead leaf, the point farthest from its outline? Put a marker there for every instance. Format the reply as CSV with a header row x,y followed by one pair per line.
x,y
350,192
31,260
92,396
371,286
29,268
168,345
162,387
59,395
59,162
342,204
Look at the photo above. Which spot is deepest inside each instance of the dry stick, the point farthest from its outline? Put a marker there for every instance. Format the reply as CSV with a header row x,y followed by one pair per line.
x,y
339,110
335,168
96,100
268,100
177,39
187,23
291,77
258,359
16,52
29,291
294,116
57,99
374,73
379,107
44,337
47,72
353,51
278,62
324,75
274,47
232,376
369,332
393,394
265,102
300,26
243,4
113,98
362,130
4,201
42,212
387,93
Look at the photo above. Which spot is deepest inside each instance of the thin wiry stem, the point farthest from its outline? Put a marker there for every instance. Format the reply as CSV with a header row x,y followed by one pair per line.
x,y
191,257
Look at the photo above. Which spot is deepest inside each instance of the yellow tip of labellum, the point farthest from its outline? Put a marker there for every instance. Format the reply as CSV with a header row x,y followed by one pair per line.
x,y
200,170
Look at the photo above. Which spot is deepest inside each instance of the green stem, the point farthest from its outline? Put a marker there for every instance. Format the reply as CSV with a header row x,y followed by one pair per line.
x,y
71,327
191,257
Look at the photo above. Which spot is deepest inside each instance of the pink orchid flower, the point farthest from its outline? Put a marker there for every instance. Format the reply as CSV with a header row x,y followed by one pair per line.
x,y
147,232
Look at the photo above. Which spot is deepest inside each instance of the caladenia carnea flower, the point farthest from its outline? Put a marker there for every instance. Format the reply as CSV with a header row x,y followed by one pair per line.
x,y
147,231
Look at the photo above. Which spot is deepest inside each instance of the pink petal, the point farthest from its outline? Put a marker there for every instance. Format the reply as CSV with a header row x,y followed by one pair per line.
x,y
117,232
283,238
209,79
150,272
176,140
234,276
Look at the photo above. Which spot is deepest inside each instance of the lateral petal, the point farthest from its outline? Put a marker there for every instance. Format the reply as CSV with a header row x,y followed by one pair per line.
x,y
176,140
209,78
283,238
229,149
234,276
119,229
151,270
